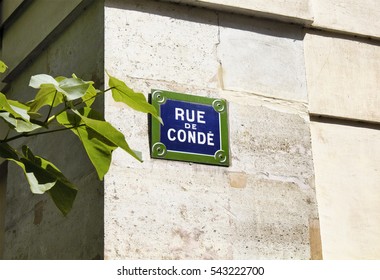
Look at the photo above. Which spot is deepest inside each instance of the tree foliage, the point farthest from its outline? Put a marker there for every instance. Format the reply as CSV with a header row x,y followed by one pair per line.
x,y
67,105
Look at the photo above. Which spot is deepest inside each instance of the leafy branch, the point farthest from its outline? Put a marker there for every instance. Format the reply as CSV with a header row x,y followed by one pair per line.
x,y
6,140
69,102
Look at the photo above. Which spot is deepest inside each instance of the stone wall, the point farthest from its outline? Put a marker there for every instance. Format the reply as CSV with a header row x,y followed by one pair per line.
x,y
3,186
301,79
258,208
34,227
343,83
341,49
340,17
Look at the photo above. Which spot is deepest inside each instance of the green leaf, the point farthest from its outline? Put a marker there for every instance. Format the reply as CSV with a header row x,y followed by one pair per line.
x,y
37,81
45,97
34,115
18,124
98,148
20,108
41,181
7,152
98,137
63,195
63,191
90,95
122,93
74,88
43,176
107,131
16,114
5,106
3,67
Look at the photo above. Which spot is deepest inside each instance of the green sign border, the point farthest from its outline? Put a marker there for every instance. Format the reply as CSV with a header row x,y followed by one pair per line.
x,y
158,149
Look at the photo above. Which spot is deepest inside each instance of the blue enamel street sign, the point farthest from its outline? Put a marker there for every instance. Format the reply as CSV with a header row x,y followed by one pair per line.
x,y
195,128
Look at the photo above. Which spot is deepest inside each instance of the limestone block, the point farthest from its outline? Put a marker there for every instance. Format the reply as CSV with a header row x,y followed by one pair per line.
x,y
347,176
343,77
3,132
162,41
44,20
34,225
198,215
262,57
8,7
269,142
266,137
3,185
258,208
351,16
293,10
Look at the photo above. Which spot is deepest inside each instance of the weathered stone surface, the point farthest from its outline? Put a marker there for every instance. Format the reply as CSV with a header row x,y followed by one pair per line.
x,y
3,187
165,42
238,179
347,176
293,10
198,215
3,132
350,16
7,9
266,141
343,77
260,206
162,209
262,57
44,20
34,227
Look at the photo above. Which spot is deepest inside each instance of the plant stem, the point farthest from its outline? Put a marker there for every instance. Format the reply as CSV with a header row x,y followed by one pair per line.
x,y
51,107
101,92
75,105
38,133
52,118
6,136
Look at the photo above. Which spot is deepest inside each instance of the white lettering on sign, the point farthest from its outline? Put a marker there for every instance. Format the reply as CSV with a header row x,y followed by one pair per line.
x,y
181,135
170,137
190,134
210,139
191,126
192,137
189,115
179,114
201,138
195,137
200,116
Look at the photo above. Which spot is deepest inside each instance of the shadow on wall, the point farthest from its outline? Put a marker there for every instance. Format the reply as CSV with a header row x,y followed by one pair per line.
x,y
247,23
3,184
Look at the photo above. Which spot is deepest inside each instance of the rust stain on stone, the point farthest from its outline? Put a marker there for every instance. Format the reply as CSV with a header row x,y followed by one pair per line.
x,y
220,76
238,179
39,212
183,211
315,240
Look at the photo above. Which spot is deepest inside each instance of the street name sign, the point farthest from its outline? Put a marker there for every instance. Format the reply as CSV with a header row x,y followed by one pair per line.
x,y
195,128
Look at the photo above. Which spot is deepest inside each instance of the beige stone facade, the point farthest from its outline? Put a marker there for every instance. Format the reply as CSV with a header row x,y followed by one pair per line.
x,y
301,78
258,208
